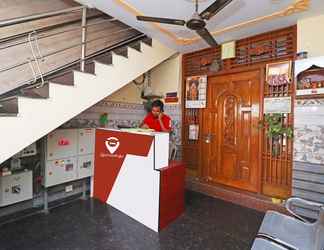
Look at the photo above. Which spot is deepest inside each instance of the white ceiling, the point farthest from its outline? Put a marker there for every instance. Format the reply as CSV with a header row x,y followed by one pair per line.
x,y
237,12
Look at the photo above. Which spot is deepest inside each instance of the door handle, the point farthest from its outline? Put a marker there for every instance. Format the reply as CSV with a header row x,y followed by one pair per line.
x,y
208,137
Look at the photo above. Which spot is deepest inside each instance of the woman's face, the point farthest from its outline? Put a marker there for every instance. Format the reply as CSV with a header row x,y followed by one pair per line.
x,y
156,111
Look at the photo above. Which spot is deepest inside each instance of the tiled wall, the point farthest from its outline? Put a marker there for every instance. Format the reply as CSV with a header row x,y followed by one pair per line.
x,y
308,169
125,114
309,131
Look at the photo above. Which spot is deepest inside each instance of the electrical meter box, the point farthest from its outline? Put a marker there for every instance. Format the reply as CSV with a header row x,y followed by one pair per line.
x,y
69,155
28,151
85,166
61,143
16,188
60,171
86,141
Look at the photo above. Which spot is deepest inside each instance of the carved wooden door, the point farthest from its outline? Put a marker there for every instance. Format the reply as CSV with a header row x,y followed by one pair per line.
x,y
231,148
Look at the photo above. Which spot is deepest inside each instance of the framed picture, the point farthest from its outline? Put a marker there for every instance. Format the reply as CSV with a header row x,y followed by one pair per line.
x,y
279,73
306,83
196,91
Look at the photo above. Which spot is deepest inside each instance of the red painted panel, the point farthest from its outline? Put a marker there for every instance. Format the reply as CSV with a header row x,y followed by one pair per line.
x,y
110,151
171,193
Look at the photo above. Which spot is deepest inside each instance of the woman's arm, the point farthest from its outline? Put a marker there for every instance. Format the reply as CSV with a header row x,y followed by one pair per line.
x,y
144,125
164,129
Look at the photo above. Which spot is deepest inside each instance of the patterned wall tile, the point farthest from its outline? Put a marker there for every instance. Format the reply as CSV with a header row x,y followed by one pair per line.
x,y
309,131
309,144
126,114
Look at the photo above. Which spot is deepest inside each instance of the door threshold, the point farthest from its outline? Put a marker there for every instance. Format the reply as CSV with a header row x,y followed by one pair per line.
x,y
254,201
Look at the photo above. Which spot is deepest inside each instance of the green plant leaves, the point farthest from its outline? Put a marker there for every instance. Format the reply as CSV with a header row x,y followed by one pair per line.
x,y
275,127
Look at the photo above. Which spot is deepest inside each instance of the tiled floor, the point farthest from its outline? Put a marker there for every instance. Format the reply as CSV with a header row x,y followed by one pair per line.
x,y
207,224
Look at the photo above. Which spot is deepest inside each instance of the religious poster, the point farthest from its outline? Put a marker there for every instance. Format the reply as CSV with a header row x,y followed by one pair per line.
x,y
196,92
279,73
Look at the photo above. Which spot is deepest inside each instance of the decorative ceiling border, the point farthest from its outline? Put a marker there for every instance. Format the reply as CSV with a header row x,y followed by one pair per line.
x,y
296,7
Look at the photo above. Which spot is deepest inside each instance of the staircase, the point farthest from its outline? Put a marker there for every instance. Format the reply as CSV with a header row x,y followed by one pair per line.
x,y
35,112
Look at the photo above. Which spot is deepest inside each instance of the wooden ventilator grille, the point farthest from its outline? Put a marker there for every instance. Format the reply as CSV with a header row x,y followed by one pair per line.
x,y
261,49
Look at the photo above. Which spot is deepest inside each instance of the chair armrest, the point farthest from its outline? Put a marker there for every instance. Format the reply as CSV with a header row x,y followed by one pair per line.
x,y
276,241
292,200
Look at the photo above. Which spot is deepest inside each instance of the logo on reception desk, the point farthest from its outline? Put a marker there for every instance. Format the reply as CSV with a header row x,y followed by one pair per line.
x,y
112,144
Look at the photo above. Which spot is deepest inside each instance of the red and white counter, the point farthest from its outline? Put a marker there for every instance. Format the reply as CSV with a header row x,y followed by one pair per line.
x,y
132,174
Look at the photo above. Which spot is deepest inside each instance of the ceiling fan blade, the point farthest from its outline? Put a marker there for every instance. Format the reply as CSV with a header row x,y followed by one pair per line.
x,y
214,8
204,33
161,20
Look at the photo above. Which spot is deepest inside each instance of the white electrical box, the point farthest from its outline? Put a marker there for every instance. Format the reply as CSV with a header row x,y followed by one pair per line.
x,y
62,143
85,166
60,171
69,155
86,141
28,151
16,188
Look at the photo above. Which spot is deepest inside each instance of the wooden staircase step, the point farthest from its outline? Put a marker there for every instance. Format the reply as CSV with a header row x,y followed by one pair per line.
x,y
36,92
147,41
9,106
135,45
122,51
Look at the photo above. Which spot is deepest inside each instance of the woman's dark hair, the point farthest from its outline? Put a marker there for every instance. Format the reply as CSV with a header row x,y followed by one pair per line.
x,y
158,103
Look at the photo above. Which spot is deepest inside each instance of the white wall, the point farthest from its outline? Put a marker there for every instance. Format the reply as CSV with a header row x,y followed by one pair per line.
x,y
310,36
127,94
166,77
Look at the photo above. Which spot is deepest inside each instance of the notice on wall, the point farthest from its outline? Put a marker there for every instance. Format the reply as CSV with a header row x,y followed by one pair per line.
x,y
277,105
193,131
228,50
196,92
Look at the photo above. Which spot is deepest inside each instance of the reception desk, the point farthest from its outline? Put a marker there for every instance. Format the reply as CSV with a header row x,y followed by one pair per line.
x,y
132,173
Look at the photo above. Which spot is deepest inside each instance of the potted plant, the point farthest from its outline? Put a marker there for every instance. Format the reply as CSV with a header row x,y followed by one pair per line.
x,y
275,130
103,119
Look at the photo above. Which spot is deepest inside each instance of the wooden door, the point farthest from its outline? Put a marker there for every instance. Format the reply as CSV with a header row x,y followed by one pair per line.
x,y
231,148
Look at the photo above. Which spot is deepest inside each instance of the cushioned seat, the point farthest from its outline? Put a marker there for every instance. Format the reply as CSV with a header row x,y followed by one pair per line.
x,y
295,232
289,230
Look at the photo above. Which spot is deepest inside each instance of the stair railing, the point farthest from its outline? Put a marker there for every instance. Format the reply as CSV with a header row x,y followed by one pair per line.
x,y
37,55
33,41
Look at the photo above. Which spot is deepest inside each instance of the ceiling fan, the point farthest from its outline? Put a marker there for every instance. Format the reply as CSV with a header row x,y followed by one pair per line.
x,y
197,21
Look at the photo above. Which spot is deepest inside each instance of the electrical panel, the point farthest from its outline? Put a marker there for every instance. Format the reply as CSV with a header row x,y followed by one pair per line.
x,y
86,139
85,166
60,171
61,143
16,188
69,155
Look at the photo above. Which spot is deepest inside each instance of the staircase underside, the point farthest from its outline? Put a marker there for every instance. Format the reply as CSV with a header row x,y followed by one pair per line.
x,y
32,112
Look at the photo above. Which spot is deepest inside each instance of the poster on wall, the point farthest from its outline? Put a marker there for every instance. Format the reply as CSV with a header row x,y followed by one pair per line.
x,y
196,92
279,73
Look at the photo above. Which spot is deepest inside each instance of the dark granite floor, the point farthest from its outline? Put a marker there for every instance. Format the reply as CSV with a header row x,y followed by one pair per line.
x,y
207,224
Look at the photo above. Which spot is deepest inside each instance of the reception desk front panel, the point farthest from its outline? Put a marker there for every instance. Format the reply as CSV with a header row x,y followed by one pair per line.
x,y
127,172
